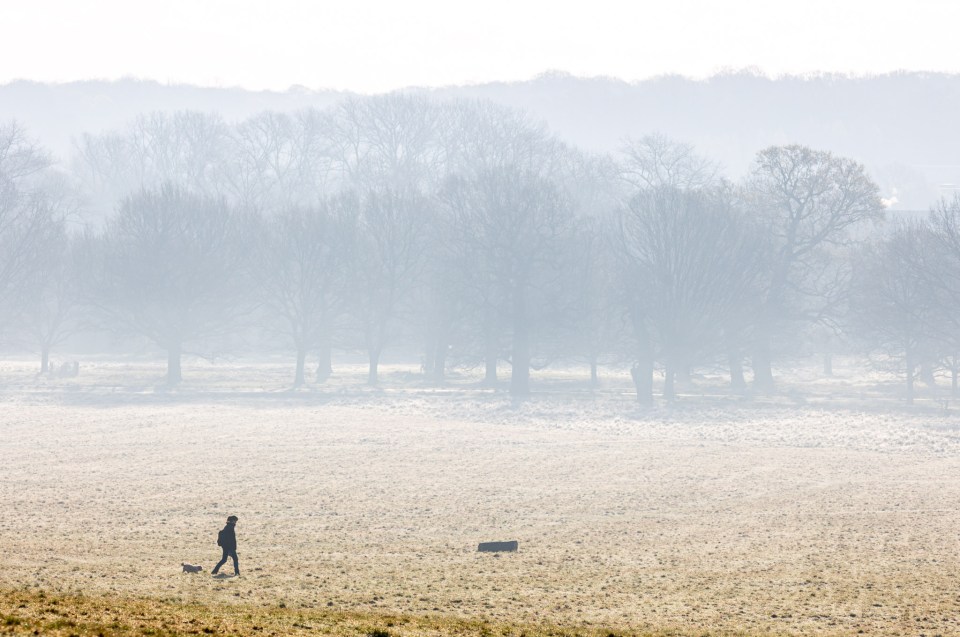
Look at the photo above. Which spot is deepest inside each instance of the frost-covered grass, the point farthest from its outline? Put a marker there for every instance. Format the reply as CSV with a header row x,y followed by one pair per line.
x,y
808,511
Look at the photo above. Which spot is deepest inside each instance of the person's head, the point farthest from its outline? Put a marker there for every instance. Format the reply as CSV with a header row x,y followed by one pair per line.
x,y
232,519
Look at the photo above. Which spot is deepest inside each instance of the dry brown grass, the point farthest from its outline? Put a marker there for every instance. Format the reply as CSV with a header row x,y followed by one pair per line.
x,y
360,511
31,613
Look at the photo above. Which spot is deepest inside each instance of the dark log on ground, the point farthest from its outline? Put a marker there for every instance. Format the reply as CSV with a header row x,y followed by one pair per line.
x,y
496,547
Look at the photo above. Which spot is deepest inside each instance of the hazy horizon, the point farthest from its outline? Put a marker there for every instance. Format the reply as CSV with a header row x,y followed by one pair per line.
x,y
373,46
752,72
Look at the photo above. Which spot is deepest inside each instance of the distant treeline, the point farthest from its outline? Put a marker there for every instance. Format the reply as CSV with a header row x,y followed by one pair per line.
x,y
471,233
901,126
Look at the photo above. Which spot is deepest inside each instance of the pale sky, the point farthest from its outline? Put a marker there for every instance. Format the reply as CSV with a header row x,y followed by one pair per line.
x,y
377,45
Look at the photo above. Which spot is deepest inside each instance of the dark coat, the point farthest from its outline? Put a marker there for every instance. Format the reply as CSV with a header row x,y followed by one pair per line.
x,y
227,538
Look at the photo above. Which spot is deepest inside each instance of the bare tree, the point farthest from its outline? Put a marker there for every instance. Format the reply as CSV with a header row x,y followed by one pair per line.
x,y
186,147
32,211
895,303
593,185
691,265
170,270
444,313
305,256
940,264
482,144
53,302
386,142
598,324
655,160
388,266
937,269
278,161
511,231
809,201
478,136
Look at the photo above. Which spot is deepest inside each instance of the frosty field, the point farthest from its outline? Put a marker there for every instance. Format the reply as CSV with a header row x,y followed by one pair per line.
x,y
777,515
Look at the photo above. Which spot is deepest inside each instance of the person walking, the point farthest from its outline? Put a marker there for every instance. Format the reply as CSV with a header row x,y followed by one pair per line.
x,y
227,540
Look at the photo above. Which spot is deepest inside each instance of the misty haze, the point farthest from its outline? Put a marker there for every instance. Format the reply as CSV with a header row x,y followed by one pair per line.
x,y
564,356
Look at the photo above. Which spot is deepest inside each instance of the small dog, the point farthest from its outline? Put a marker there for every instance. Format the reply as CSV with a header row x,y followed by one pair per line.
x,y
190,568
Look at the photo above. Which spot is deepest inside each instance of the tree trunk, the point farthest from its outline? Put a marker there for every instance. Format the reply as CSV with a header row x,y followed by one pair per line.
x,y
909,362
683,376
439,362
490,371
669,375
301,360
45,359
325,364
520,356
173,364
926,374
520,374
491,356
737,382
827,364
642,374
426,361
491,349
762,367
372,378
642,370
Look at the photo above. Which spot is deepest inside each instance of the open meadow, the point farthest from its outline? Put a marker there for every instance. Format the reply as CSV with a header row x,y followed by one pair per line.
x,y
828,508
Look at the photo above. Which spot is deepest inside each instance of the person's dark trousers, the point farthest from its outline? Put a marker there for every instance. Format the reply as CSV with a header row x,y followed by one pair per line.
x,y
228,553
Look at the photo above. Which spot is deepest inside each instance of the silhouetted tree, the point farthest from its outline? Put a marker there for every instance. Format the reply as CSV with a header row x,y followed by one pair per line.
x,y
53,303
305,256
186,148
277,161
388,266
937,269
690,265
512,228
807,202
483,143
593,185
654,160
33,205
170,270
894,303
386,142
